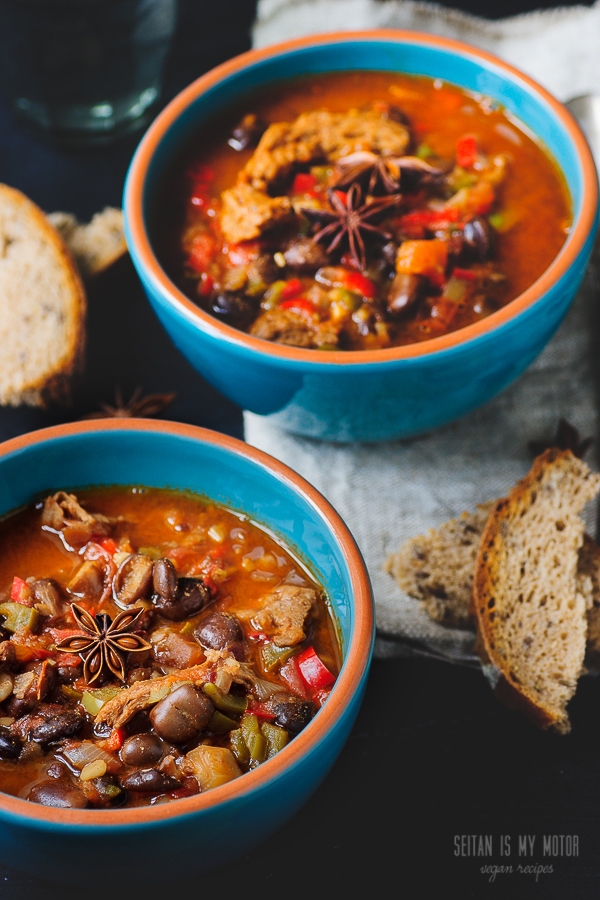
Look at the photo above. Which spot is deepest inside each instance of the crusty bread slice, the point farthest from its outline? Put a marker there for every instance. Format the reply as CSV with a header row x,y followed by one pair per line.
x,y
588,580
530,617
42,306
95,245
436,568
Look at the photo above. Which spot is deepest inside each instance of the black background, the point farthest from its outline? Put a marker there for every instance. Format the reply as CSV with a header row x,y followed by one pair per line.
x,y
432,754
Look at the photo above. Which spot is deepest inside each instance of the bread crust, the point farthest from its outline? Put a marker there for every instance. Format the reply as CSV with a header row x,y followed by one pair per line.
x,y
490,588
54,384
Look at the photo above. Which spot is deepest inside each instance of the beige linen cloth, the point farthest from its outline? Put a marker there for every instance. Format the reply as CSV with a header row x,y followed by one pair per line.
x,y
388,492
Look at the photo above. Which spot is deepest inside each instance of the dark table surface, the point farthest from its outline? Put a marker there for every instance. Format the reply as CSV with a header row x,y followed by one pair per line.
x,y
433,758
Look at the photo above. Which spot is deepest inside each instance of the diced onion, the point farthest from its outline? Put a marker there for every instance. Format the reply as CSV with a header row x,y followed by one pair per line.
x,y
81,753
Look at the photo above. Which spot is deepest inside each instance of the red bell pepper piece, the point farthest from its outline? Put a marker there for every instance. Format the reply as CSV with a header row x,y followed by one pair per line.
x,y
300,305
359,284
428,218
465,274
321,696
109,545
259,709
205,285
217,552
291,674
115,740
292,288
20,592
67,659
314,671
304,183
466,151
202,253
242,254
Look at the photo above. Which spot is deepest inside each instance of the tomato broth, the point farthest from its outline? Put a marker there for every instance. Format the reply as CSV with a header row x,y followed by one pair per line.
x,y
360,210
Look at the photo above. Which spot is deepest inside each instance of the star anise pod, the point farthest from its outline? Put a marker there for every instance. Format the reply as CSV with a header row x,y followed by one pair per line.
x,y
104,643
567,438
378,173
138,406
350,220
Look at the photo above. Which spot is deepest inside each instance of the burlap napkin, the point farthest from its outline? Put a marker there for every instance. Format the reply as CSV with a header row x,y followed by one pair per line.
x,y
388,492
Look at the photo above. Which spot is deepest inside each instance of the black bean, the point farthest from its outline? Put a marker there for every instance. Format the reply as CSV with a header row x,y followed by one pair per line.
x,y
19,706
234,309
191,596
68,674
164,578
150,781
182,715
46,730
142,750
264,269
133,578
218,631
293,715
388,252
10,745
305,256
478,238
57,769
61,794
404,293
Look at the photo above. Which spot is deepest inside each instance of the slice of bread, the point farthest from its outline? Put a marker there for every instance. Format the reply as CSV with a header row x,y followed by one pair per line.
x,y
436,568
588,583
42,306
530,616
95,245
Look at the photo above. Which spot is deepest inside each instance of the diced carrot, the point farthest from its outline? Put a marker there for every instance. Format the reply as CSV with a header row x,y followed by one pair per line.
x,y
428,258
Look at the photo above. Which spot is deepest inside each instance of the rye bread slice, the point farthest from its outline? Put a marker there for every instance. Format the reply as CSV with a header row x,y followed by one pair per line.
x,y
530,616
42,306
436,568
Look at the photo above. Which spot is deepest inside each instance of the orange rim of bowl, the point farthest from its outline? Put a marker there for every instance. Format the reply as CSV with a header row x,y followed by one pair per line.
x,y
167,289
354,667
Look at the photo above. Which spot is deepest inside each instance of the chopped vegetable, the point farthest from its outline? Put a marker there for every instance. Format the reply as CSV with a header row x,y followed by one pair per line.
x,y
212,766
19,617
466,151
428,258
313,670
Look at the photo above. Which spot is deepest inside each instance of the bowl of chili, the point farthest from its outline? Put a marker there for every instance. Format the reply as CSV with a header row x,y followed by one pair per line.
x,y
365,235
187,627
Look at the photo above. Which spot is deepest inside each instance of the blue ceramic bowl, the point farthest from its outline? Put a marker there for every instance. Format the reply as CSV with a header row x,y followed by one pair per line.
x,y
382,394
196,833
